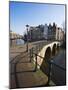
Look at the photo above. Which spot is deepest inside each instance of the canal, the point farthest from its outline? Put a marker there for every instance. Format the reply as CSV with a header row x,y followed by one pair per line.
x,y
19,41
59,72
57,67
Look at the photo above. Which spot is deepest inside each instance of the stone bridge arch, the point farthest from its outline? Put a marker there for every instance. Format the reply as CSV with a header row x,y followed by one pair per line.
x,y
47,51
44,66
58,47
50,51
54,47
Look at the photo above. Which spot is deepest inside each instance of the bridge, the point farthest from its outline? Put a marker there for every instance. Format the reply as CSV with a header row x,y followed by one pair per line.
x,y
48,51
33,68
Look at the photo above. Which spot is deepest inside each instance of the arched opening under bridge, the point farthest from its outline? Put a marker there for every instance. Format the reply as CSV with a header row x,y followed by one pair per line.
x,y
45,66
54,49
58,48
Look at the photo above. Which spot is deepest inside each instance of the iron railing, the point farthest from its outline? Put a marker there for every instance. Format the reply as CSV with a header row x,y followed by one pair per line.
x,y
33,53
50,62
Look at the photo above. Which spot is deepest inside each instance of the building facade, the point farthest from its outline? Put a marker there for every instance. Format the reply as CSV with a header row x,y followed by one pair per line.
x,y
55,33
45,32
49,32
35,33
60,34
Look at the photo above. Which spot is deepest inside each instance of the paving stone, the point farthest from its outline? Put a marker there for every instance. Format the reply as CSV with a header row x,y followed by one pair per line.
x,y
24,67
27,78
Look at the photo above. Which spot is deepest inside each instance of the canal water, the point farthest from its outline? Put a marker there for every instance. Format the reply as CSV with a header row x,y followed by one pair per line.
x,y
58,68
19,42
59,72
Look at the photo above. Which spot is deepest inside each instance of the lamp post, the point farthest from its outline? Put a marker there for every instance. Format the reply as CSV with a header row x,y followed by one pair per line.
x,y
27,37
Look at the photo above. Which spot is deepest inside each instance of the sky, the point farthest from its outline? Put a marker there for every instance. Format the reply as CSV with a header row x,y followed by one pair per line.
x,y
34,14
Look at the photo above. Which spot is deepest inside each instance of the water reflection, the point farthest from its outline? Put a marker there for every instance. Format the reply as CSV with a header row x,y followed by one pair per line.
x,y
19,41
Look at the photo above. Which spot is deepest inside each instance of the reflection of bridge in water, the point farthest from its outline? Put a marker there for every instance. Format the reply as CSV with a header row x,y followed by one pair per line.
x,y
35,67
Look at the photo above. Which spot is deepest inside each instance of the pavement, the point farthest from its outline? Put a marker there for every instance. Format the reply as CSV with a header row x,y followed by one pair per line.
x,y
26,76
22,71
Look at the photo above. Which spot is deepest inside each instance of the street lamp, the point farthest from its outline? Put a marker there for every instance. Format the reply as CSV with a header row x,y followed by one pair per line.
x,y
27,37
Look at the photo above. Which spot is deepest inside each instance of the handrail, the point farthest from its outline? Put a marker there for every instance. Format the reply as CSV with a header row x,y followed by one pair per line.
x,y
38,55
50,61
50,66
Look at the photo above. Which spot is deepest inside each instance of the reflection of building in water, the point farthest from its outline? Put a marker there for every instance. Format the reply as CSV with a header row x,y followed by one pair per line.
x,y
14,37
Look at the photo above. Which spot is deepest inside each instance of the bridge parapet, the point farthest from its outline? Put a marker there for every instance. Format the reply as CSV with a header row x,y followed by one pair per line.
x,y
43,51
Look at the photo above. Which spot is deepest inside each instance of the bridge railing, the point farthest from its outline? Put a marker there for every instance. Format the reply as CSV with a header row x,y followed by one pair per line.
x,y
51,67
33,53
